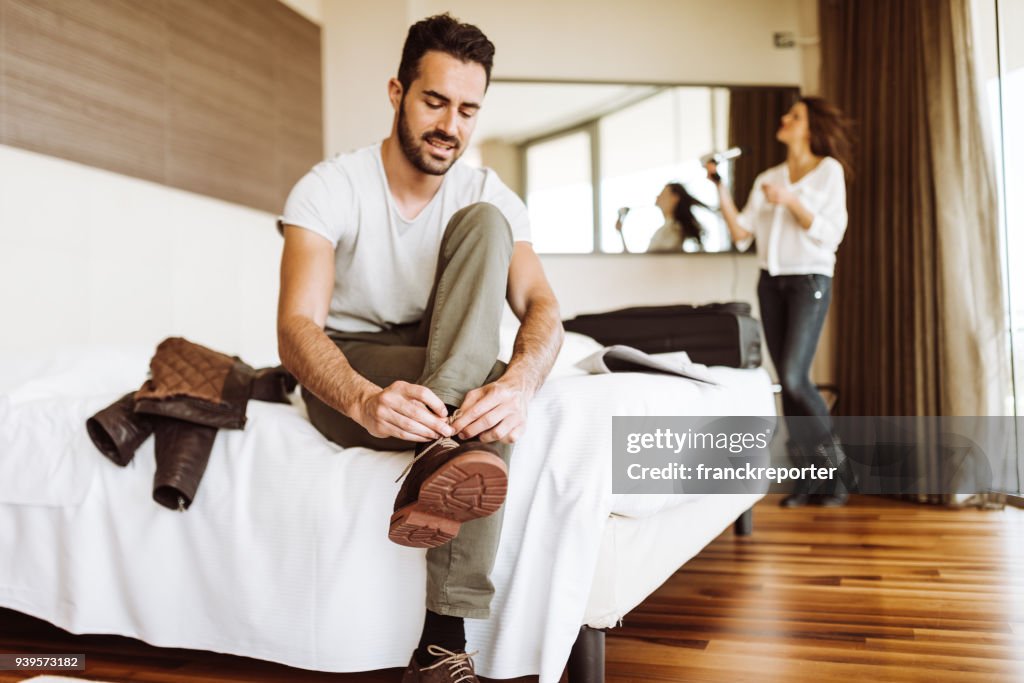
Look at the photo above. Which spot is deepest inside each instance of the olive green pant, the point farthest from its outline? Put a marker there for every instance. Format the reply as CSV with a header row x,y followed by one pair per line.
x,y
452,350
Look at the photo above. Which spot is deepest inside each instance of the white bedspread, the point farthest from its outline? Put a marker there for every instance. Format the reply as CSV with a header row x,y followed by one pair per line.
x,y
284,554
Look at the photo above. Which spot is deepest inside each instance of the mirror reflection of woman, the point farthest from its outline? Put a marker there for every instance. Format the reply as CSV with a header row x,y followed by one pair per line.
x,y
797,213
676,206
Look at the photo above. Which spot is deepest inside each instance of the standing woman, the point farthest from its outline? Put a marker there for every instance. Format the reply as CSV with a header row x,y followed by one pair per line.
x,y
797,214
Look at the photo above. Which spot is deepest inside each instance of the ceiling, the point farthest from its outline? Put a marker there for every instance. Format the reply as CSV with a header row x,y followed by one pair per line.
x,y
514,112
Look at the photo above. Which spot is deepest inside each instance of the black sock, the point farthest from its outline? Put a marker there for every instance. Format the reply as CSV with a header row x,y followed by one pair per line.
x,y
443,631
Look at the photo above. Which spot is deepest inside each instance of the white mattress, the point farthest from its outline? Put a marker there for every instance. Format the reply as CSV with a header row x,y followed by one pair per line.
x,y
638,554
284,554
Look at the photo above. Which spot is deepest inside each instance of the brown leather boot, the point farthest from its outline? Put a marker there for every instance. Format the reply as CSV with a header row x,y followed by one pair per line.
x,y
449,483
182,453
118,431
452,667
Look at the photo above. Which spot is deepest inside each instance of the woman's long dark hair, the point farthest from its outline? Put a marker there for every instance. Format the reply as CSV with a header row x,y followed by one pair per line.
x,y
831,132
683,213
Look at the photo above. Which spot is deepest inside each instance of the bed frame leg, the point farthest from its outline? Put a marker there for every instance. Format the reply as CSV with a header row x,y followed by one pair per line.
x,y
744,525
586,661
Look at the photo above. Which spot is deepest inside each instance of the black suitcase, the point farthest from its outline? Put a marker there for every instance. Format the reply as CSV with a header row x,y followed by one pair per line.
x,y
713,334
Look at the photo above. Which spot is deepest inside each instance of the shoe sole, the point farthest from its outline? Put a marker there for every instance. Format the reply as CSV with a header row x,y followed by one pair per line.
x,y
469,486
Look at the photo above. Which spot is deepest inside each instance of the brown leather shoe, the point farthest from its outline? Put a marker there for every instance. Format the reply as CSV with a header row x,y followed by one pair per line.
x,y
449,483
452,667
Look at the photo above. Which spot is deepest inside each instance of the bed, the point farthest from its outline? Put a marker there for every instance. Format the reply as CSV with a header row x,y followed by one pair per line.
x,y
286,543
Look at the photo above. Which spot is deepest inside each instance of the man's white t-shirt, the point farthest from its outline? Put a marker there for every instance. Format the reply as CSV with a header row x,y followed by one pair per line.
x,y
384,264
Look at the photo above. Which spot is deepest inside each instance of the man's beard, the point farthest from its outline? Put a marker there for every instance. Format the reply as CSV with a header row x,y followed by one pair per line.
x,y
419,155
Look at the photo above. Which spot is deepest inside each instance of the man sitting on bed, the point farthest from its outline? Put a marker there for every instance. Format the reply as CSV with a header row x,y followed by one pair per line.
x,y
397,262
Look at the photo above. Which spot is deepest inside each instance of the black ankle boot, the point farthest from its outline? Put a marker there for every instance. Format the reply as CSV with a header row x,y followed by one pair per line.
x,y
802,489
830,454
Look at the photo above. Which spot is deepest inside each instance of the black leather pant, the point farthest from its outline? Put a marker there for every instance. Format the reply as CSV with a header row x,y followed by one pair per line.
x,y
793,309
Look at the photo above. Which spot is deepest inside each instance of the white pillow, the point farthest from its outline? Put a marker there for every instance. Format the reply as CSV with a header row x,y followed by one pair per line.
x,y
79,371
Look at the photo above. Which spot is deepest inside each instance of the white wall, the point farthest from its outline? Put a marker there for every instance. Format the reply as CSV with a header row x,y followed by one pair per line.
x,y
728,41
361,44
311,9
808,32
585,285
92,257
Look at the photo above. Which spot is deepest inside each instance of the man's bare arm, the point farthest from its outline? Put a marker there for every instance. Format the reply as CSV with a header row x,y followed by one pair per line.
x,y
540,331
497,411
307,281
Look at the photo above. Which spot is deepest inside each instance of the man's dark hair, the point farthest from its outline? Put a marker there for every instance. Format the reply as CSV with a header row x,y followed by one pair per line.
x,y
446,34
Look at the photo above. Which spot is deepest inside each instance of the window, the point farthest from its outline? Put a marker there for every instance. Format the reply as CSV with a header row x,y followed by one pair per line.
x,y
560,195
1002,83
1011,113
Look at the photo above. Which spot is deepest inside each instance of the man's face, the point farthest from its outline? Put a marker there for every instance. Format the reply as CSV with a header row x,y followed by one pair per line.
x,y
437,115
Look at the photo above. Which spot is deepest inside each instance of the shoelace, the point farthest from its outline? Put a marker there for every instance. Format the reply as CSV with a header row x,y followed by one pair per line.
x,y
459,663
444,441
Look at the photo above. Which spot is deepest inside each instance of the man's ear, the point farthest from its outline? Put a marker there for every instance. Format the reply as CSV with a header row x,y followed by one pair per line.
x,y
395,93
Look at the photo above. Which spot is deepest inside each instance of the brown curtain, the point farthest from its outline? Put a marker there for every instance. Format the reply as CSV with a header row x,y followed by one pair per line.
x,y
918,297
754,115
918,294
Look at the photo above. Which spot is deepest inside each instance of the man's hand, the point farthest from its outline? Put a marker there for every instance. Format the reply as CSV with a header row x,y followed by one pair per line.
x,y
777,194
407,411
494,412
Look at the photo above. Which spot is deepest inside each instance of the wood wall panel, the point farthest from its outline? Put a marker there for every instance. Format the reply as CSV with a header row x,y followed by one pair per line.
x,y
221,127
218,97
297,96
84,81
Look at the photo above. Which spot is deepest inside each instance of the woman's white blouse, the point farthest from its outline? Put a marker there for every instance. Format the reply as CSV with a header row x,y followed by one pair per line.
x,y
784,247
669,237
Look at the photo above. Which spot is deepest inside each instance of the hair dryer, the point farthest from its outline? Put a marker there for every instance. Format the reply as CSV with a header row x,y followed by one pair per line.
x,y
719,157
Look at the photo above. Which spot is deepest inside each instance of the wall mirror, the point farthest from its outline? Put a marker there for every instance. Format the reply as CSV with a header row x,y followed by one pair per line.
x,y
579,153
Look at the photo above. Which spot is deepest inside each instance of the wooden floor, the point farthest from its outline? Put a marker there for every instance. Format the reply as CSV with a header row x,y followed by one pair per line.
x,y
877,591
